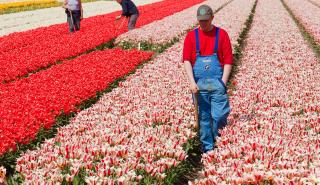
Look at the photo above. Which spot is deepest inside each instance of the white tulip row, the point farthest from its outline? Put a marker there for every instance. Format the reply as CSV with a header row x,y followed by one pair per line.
x,y
274,130
23,21
308,14
232,18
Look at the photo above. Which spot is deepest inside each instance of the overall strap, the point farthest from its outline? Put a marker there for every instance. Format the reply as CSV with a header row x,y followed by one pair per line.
x,y
216,41
196,31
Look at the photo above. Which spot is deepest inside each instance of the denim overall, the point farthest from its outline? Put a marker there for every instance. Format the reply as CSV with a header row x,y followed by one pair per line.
x,y
213,100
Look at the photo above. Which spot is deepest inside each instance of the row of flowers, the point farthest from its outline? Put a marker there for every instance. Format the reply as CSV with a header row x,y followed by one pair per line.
x,y
315,2
140,126
21,53
308,14
236,23
274,130
165,30
28,20
33,102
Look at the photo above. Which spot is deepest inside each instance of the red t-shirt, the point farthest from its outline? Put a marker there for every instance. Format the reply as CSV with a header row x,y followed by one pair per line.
x,y
207,40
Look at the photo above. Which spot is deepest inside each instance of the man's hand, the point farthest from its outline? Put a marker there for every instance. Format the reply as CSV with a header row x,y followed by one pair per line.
x,y
226,72
194,88
118,17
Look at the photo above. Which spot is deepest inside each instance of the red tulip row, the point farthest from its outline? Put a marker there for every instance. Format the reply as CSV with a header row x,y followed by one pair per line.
x,y
21,53
30,103
22,39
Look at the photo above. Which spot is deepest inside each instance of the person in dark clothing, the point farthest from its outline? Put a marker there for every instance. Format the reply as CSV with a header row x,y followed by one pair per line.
x,y
129,10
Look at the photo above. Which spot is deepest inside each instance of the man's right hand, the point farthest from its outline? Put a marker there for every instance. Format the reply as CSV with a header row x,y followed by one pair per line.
x,y
194,88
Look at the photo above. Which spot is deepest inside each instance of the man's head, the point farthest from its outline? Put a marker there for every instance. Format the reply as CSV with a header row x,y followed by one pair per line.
x,y
205,17
119,1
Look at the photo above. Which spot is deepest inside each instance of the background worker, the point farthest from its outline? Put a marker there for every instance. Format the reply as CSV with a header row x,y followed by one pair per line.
x,y
74,13
129,10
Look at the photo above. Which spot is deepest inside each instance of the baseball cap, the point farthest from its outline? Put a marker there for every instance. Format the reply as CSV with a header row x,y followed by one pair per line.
x,y
204,12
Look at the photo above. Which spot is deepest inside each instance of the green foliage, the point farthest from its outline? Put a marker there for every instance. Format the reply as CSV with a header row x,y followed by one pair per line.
x,y
146,46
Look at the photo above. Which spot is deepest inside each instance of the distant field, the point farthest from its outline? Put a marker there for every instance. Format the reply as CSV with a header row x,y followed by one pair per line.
x,y
7,6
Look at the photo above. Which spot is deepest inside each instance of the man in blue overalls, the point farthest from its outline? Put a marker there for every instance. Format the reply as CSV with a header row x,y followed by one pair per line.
x,y
207,57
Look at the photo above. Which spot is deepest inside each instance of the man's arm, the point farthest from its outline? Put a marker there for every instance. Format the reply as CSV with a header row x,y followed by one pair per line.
x,y
186,57
125,10
190,77
227,57
226,73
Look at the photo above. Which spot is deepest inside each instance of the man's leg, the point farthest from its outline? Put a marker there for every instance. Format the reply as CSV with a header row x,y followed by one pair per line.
x,y
77,16
220,108
206,136
69,22
132,21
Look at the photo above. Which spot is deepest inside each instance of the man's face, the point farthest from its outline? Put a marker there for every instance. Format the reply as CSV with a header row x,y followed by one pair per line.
x,y
205,25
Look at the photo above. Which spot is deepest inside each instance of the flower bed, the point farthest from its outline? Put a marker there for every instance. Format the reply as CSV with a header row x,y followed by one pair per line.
x,y
308,14
28,20
139,127
134,132
33,102
273,135
22,53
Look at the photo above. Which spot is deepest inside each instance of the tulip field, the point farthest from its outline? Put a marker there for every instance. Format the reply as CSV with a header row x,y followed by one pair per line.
x,y
140,127
27,20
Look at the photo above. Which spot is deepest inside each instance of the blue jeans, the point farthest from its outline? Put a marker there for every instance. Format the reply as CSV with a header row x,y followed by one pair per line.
x,y
74,21
214,109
